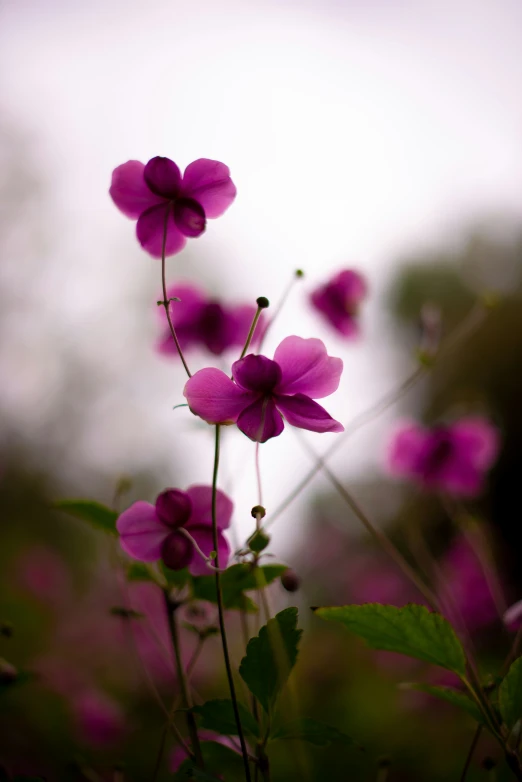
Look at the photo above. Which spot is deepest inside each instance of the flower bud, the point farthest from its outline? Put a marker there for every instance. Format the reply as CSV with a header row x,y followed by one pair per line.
x,y
290,580
262,302
258,511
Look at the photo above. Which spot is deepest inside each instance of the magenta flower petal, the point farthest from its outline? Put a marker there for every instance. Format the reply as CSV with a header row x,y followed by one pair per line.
x,y
209,182
201,498
405,449
256,373
478,439
173,507
150,228
129,190
177,551
260,421
301,411
338,301
307,368
141,532
203,537
215,397
163,177
189,217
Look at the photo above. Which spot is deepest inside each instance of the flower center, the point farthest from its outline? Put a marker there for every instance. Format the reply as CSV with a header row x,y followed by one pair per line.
x,y
440,450
173,507
257,373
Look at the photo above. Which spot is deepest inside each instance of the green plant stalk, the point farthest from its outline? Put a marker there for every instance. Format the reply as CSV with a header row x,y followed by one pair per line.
x,y
221,616
165,301
182,679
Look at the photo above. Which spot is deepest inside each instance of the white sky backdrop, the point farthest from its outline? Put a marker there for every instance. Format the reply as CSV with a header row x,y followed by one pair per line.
x,y
355,131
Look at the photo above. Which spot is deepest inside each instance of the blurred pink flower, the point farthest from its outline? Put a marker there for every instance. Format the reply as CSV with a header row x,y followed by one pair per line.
x,y
339,299
452,458
159,198
43,573
99,719
151,532
204,322
263,391
466,583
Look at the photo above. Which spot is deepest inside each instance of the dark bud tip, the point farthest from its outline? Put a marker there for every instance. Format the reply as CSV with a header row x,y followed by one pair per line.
x,y
299,273
262,302
488,764
258,511
384,762
290,580
160,303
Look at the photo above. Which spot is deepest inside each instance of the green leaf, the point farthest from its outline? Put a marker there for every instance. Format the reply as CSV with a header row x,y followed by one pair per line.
x,y
96,514
270,657
175,578
236,580
139,571
412,630
313,732
259,541
218,715
510,694
450,695
218,760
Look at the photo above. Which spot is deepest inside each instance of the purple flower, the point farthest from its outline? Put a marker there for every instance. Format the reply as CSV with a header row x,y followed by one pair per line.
x,y
203,321
151,532
339,299
263,391
156,194
451,458
463,576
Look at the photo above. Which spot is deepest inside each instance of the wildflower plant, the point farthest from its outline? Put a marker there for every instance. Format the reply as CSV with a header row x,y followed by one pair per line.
x,y
179,543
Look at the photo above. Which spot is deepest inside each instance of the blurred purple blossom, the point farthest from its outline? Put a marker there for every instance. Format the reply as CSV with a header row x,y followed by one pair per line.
x,y
451,458
203,321
152,532
159,198
339,300
263,391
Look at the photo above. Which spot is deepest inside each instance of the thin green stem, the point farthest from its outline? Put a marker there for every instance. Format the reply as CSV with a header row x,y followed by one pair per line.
x,y
165,301
221,614
182,678
251,332
383,540
469,756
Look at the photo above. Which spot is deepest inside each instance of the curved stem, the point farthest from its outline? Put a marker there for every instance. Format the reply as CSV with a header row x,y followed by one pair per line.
x,y
182,678
165,301
469,757
221,616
